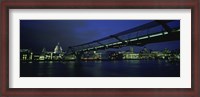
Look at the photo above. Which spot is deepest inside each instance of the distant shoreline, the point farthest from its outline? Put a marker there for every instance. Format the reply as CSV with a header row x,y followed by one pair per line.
x,y
87,60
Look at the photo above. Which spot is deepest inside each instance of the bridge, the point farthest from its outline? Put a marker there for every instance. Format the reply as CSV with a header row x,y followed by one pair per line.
x,y
152,32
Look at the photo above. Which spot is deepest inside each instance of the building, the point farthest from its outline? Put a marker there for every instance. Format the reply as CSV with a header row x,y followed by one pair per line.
x,y
26,54
130,55
91,55
57,54
145,54
69,57
58,49
114,55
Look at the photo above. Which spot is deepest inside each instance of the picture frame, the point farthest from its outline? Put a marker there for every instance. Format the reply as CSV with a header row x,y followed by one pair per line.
x,y
89,4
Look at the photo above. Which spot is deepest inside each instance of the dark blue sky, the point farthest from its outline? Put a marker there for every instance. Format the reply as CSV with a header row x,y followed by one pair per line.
x,y
37,34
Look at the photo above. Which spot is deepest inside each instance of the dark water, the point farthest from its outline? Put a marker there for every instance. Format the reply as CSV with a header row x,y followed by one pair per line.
x,y
125,68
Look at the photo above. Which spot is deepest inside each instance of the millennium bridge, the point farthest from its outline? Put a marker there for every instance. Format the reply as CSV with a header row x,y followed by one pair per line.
x,y
152,32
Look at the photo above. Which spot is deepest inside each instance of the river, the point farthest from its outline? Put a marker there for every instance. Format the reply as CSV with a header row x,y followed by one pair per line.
x,y
123,68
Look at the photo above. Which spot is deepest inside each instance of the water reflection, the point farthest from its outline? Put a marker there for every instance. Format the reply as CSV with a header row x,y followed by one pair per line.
x,y
123,68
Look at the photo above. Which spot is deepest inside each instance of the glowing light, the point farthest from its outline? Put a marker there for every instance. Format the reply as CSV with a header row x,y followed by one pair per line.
x,y
165,32
119,42
114,43
110,44
156,35
133,39
143,37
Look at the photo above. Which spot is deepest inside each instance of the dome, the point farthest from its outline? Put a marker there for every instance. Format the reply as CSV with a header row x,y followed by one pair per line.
x,y
58,49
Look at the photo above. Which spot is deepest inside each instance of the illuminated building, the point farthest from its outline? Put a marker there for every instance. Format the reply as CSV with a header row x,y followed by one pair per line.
x,y
114,55
58,49
144,54
130,55
92,55
70,57
57,54
26,54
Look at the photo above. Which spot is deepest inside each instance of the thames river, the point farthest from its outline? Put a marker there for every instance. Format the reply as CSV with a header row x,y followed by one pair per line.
x,y
122,68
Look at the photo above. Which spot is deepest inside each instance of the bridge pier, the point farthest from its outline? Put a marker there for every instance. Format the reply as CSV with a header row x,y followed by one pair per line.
x,y
78,55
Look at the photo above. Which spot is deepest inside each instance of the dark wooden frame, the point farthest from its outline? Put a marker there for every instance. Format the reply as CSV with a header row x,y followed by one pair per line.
x,y
99,4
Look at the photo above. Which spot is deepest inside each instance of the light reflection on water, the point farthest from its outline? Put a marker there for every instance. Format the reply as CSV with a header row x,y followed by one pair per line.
x,y
123,68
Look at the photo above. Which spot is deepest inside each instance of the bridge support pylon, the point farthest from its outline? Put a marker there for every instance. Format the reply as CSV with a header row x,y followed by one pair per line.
x,y
78,55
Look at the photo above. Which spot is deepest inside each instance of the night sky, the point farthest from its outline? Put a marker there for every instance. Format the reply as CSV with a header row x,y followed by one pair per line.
x,y
39,34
